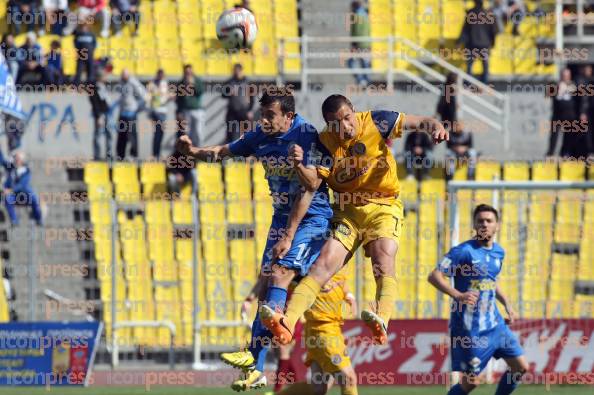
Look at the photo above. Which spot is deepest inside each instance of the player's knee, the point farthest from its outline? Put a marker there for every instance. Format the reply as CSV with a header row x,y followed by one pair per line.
x,y
281,275
323,269
320,389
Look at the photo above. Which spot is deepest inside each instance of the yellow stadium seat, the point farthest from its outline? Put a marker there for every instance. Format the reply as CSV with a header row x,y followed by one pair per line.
x,y
154,179
96,173
238,193
125,178
158,212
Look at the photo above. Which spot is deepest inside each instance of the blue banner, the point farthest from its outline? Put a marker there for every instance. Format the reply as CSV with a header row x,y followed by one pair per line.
x,y
47,353
9,100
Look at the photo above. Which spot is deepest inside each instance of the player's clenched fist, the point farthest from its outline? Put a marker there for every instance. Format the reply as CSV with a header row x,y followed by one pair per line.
x,y
295,154
470,298
439,133
184,145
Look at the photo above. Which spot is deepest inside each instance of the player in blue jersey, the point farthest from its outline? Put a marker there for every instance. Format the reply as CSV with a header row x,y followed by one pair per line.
x,y
477,330
300,220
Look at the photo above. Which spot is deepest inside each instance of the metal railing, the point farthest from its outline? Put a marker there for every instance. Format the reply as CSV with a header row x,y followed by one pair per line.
x,y
493,112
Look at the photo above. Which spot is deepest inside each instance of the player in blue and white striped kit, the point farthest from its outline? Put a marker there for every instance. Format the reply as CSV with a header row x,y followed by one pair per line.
x,y
477,330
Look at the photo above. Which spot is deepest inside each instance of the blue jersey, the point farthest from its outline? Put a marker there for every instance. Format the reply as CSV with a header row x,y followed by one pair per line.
x,y
474,267
272,151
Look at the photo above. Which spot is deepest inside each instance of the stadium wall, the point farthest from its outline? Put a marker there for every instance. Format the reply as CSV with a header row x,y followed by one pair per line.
x,y
60,125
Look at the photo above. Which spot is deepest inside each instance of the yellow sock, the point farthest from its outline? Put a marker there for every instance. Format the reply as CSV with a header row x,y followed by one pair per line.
x,y
300,388
349,390
385,295
303,297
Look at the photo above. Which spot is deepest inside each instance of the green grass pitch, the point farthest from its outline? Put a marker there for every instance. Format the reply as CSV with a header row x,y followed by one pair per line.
x,y
379,390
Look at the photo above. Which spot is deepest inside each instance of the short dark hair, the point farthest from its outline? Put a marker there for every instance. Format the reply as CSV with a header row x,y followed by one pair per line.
x,y
333,103
482,208
282,96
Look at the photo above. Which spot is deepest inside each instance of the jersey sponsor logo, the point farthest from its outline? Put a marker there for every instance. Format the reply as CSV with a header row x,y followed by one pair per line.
x,y
482,285
345,175
359,148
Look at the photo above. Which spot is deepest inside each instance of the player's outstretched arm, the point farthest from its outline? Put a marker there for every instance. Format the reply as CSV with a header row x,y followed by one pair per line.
x,y
442,283
309,177
213,153
511,314
427,124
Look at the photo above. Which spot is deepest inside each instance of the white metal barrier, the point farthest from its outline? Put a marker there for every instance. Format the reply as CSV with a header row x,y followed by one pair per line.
x,y
490,106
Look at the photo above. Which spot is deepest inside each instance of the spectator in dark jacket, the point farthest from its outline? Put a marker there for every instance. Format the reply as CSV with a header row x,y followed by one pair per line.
x,y
418,152
17,188
460,150
85,44
565,119
478,37
447,107
23,12
30,70
240,104
125,11
99,98
53,67
189,105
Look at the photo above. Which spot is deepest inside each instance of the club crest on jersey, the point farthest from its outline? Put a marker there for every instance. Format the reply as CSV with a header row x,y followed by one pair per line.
x,y
359,148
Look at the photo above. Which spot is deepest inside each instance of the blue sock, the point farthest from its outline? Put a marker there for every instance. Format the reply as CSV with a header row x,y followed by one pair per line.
x,y
260,342
456,390
276,298
508,383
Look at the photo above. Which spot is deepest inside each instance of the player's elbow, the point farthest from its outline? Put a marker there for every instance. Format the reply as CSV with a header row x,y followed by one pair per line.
x,y
432,277
312,185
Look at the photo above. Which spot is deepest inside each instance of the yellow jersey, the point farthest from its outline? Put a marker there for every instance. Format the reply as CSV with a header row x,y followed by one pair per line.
x,y
363,168
330,302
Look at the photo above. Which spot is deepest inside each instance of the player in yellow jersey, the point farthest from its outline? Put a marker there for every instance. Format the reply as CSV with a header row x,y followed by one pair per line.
x,y
367,210
326,349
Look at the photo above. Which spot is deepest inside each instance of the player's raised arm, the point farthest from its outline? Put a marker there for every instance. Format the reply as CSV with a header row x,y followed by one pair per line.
x,y
308,175
427,124
212,153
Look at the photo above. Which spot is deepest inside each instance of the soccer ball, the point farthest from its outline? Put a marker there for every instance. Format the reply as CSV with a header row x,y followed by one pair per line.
x,y
237,28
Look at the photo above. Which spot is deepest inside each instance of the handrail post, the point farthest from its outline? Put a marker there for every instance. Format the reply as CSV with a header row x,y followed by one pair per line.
x,y
114,232
304,49
390,71
195,279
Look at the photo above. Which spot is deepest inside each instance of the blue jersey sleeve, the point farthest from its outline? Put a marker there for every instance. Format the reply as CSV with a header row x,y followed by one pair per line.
x,y
452,260
245,145
388,123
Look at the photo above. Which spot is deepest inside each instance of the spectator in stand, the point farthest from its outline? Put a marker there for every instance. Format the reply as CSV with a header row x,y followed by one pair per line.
x,y
11,54
506,10
587,105
189,104
15,128
56,12
447,107
418,153
31,71
478,37
23,12
100,104
460,150
87,9
566,110
158,91
125,11
85,44
179,171
130,104
240,104
360,28
17,188
53,68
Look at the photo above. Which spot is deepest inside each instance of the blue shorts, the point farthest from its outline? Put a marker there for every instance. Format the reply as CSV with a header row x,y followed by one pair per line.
x,y
471,353
309,238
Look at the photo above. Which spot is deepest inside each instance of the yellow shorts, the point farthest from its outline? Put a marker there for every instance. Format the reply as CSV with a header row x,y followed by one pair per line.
x,y
326,346
358,225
